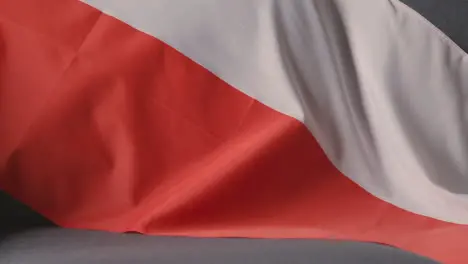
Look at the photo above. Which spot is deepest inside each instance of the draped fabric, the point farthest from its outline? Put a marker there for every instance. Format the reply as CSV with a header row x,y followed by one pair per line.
x,y
271,119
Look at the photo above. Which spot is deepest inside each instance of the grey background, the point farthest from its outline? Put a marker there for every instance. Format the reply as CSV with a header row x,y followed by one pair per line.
x,y
450,16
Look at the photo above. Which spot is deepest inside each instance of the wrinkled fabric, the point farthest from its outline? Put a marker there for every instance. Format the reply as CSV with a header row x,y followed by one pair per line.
x,y
105,127
380,88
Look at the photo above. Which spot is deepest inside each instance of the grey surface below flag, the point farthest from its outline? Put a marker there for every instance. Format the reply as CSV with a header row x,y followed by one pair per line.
x,y
57,246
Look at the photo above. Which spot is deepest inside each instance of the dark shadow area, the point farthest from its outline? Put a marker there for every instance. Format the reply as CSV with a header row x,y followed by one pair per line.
x,y
16,217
